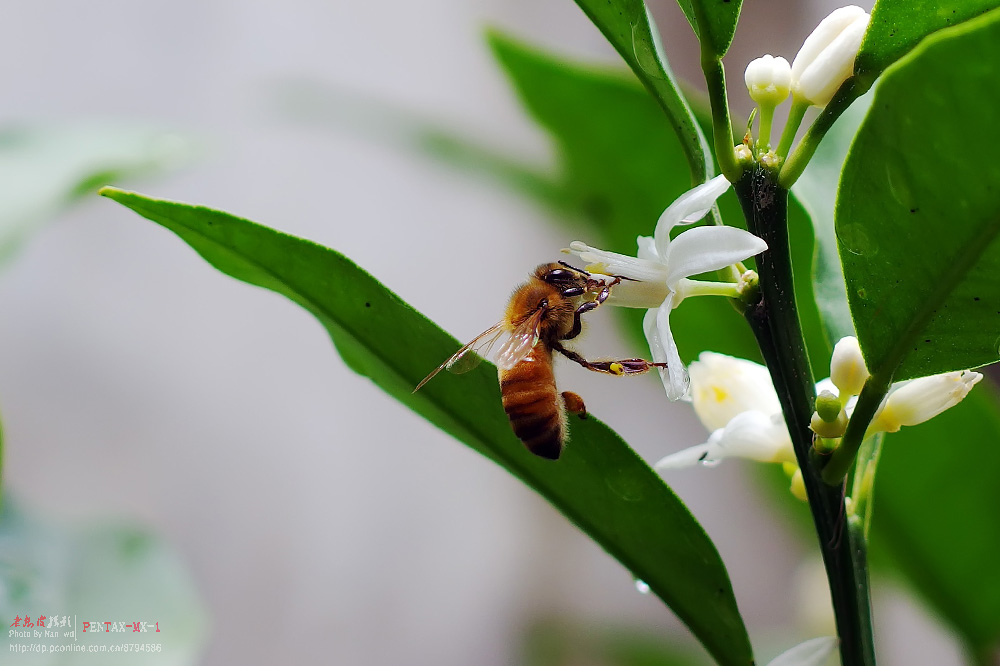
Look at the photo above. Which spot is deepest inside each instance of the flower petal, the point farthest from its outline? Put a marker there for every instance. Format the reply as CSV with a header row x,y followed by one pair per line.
x,y
754,436
612,263
813,652
647,248
687,208
656,325
705,249
638,294
724,386
685,458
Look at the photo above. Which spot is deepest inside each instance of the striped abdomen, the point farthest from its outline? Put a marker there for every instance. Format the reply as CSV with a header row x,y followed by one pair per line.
x,y
533,405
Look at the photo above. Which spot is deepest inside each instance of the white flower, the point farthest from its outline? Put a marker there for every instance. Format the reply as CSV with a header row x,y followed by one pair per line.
x,y
921,399
735,399
657,277
826,58
768,80
847,367
813,652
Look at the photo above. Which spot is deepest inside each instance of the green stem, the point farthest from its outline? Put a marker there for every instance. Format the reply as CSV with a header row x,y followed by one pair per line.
x,y
722,126
766,118
775,324
862,498
840,462
796,162
687,288
795,116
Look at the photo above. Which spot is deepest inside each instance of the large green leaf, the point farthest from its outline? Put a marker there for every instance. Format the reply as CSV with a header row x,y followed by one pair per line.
x,y
44,168
897,26
936,503
600,483
713,22
629,28
918,214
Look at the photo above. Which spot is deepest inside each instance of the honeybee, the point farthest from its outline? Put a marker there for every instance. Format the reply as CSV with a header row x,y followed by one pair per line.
x,y
542,313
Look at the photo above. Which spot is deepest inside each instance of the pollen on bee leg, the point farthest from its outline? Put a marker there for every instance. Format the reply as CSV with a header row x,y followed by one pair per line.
x,y
574,404
617,368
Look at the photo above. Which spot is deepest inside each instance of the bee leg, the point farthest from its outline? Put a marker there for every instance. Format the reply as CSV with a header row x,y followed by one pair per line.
x,y
628,366
574,404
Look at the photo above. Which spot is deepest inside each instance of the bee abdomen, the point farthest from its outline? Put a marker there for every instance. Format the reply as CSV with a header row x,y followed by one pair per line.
x,y
533,407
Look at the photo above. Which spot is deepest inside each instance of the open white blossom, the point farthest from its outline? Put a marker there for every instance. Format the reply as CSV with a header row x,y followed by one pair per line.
x,y
735,400
813,652
657,278
826,58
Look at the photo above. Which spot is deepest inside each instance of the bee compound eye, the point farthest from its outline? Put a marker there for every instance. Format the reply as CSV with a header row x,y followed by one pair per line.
x,y
559,276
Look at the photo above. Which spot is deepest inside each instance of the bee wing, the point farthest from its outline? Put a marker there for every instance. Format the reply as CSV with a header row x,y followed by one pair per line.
x,y
469,356
520,342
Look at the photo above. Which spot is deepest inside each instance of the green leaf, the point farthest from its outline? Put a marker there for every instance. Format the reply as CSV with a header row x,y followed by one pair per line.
x,y
936,499
897,26
600,483
627,25
45,168
714,22
918,215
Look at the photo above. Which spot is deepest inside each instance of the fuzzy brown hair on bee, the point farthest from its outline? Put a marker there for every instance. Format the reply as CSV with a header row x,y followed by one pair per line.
x,y
542,313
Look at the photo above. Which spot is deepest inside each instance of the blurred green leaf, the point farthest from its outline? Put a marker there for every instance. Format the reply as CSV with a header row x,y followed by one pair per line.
x,y
628,26
936,504
897,26
600,483
713,22
917,214
43,169
559,642
96,571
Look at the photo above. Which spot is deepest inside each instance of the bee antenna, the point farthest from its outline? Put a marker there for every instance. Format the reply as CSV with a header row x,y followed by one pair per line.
x,y
574,268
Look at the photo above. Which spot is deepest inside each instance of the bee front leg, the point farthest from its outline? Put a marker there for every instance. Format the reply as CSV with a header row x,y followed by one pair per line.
x,y
602,296
628,366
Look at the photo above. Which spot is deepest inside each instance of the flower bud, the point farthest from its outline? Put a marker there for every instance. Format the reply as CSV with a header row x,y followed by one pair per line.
x,y
848,371
828,406
826,58
769,80
923,399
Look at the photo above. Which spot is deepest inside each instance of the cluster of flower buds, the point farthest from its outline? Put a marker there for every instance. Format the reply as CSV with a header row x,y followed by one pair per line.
x,y
907,403
822,65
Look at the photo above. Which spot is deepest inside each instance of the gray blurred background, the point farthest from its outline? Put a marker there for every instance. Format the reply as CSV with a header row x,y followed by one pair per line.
x,y
322,522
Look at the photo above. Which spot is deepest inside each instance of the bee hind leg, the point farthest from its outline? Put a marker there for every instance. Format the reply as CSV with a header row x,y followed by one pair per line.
x,y
574,404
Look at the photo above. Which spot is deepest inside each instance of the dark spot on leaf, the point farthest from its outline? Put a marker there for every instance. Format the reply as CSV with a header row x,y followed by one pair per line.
x,y
975,298
927,340
914,210
368,305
